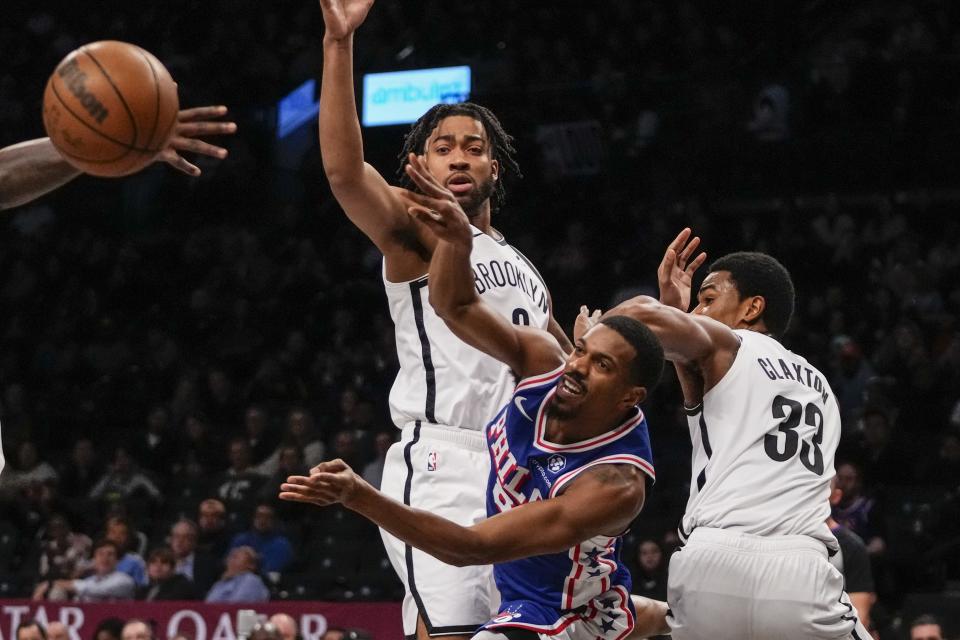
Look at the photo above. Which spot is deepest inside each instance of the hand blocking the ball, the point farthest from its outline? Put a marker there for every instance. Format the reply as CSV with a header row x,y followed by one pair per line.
x,y
111,108
192,123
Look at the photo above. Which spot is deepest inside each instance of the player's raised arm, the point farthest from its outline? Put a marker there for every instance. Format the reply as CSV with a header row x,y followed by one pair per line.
x,y
686,338
526,350
364,194
600,501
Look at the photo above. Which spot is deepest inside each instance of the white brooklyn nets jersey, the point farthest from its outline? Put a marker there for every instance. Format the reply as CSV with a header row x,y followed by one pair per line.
x,y
763,446
442,380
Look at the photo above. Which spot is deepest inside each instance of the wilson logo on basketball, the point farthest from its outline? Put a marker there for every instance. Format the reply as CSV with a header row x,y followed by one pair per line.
x,y
75,80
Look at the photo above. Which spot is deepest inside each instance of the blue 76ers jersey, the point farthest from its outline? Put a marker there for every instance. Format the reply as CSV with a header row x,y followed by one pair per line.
x,y
549,592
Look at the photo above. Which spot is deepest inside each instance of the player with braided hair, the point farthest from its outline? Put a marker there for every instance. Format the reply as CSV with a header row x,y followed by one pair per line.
x,y
501,143
445,391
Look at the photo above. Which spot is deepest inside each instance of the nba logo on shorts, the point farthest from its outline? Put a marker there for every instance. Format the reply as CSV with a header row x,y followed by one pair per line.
x,y
556,462
432,461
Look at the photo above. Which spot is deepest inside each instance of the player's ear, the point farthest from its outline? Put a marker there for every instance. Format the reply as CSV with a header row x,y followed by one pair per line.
x,y
495,170
634,396
753,308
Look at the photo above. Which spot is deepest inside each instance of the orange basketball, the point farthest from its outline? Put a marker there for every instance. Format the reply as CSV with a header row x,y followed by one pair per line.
x,y
110,107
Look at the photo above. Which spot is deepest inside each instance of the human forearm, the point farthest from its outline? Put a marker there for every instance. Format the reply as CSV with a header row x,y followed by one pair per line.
x,y
341,142
30,169
452,287
665,322
441,538
116,585
863,601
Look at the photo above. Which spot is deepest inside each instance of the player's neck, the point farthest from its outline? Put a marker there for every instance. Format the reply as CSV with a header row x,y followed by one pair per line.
x,y
481,219
575,428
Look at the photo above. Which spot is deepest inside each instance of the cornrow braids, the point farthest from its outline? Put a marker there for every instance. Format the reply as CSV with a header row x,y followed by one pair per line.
x,y
501,143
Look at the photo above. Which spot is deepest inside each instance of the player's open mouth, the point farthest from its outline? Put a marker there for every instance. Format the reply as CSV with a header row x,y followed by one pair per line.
x,y
460,184
569,388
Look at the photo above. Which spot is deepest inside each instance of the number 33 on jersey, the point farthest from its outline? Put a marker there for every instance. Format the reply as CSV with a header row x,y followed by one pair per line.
x,y
764,429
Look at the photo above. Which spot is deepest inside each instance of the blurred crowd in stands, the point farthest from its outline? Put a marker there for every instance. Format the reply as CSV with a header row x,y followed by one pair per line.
x,y
170,350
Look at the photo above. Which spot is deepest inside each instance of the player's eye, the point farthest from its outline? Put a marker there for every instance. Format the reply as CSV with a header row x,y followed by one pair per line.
x,y
476,150
442,149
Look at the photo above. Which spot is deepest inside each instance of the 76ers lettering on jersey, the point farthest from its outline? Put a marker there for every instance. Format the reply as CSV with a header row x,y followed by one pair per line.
x,y
588,586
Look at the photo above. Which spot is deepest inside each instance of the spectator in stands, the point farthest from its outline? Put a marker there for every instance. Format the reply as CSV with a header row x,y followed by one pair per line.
x,y
123,481
853,562
300,433
105,585
56,630
926,627
238,485
222,406
265,631
203,568
197,442
273,548
118,530
650,577
63,552
856,511
240,582
165,583
109,629
136,629
190,484
28,470
154,448
290,463
260,436
373,471
213,538
945,470
286,625
79,475
31,630
850,375
882,456
346,447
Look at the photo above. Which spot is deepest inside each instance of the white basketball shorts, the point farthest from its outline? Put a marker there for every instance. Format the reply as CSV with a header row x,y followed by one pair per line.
x,y
732,586
442,470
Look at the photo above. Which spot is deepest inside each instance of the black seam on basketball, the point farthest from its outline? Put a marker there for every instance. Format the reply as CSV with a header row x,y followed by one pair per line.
x,y
79,119
128,148
123,101
156,90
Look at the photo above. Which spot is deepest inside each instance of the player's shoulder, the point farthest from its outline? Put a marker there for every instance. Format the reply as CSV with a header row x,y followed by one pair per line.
x,y
538,385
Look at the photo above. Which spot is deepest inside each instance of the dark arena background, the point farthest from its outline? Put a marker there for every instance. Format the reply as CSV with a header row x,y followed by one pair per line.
x,y
162,337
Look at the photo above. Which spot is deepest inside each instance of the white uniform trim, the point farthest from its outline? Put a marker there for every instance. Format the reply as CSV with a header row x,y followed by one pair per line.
x,y
584,445
620,458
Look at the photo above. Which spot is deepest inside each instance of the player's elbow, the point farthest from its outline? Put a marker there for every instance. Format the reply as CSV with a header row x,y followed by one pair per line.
x,y
639,308
447,307
341,178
